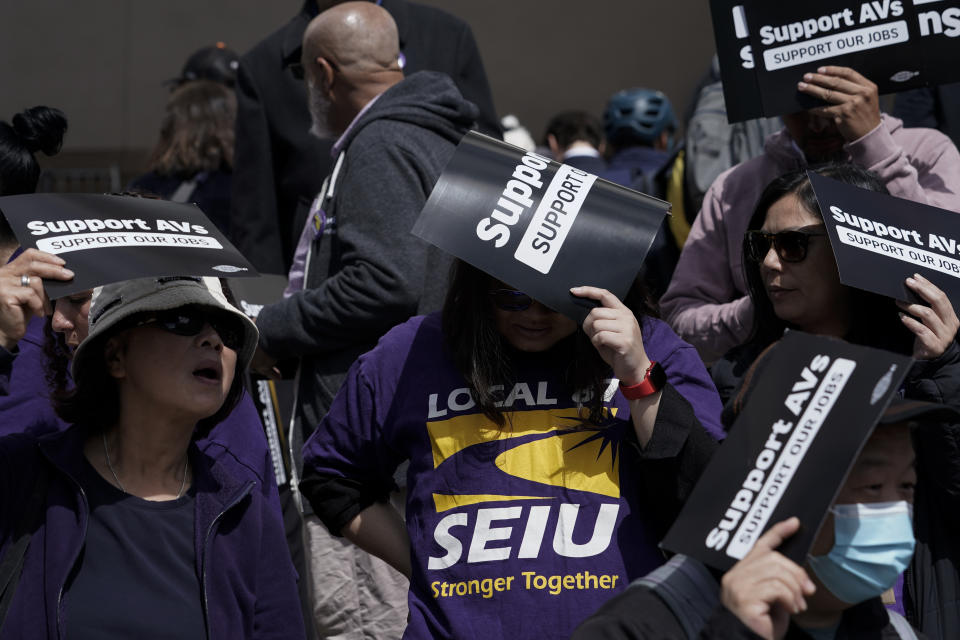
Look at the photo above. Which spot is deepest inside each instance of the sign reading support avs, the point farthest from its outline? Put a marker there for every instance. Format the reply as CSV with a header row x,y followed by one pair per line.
x,y
815,403
537,225
107,238
879,240
766,47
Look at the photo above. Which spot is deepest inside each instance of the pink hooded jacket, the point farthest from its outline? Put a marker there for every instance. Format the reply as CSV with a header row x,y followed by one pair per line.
x,y
707,302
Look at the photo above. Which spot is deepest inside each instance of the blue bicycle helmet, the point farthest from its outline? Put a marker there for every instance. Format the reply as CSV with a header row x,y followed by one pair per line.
x,y
638,116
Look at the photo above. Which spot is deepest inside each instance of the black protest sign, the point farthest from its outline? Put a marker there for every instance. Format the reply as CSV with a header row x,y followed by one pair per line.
x,y
537,225
766,47
879,240
107,238
273,399
809,414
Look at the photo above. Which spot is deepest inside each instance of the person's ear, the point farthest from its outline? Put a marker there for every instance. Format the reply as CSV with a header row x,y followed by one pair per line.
x,y
554,146
326,74
114,355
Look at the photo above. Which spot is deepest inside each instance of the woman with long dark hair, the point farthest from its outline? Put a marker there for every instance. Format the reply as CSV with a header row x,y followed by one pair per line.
x,y
793,282
546,460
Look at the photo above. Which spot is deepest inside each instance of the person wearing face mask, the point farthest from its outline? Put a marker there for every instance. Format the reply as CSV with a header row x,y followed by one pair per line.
x,y
793,283
121,524
520,428
707,301
866,541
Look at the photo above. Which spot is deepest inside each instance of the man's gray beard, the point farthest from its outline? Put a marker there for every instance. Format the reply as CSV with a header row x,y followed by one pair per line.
x,y
319,113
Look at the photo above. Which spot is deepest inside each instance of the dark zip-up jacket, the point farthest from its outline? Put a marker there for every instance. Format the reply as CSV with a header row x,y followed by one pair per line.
x,y
247,581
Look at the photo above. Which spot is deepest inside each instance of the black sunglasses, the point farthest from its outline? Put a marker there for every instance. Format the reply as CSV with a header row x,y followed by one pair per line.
x,y
189,321
511,300
791,246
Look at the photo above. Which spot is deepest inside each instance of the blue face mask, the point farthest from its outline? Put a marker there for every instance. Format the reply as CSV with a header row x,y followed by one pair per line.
x,y
873,544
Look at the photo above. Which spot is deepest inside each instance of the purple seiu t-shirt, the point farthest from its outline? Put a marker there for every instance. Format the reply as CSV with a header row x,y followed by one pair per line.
x,y
516,531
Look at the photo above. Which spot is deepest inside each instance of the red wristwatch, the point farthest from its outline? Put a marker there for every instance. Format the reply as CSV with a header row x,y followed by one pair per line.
x,y
653,381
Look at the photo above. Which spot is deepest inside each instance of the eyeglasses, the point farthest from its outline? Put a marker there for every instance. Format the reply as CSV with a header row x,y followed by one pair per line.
x,y
189,321
791,246
511,300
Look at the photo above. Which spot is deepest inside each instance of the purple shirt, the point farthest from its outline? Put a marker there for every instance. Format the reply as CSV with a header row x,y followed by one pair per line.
x,y
540,515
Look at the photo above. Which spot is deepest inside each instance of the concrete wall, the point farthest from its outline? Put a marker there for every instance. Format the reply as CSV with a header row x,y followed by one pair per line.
x,y
103,61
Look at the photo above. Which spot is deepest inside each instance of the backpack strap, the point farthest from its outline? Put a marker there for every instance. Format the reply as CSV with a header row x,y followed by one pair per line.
x,y
11,565
900,624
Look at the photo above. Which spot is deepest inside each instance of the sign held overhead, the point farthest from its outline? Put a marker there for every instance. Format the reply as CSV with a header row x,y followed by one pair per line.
x,y
766,47
107,238
537,225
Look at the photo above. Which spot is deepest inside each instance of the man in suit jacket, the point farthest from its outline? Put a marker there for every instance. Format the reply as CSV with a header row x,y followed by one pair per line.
x,y
278,166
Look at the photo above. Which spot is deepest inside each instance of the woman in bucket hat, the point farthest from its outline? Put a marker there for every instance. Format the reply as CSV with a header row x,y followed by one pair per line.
x,y
120,525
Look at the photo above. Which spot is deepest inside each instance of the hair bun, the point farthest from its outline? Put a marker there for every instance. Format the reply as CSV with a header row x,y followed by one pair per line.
x,y
40,129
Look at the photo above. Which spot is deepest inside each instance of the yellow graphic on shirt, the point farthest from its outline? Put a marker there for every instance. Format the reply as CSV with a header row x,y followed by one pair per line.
x,y
571,458
445,502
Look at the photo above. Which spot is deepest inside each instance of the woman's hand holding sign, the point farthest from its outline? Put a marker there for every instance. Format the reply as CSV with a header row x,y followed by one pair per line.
x,y
615,332
935,325
21,292
855,102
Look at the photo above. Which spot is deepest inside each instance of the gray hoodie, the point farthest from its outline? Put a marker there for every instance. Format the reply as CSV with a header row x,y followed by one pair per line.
x,y
366,272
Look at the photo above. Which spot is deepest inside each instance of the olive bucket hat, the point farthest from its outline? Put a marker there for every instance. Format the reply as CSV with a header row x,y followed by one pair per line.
x,y
114,303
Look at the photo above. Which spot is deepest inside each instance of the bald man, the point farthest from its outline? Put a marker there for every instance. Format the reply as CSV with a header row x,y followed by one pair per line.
x,y
364,272
278,169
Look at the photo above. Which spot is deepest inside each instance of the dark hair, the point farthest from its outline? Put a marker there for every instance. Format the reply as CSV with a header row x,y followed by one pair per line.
x,y
875,321
94,398
569,126
484,358
32,130
196,133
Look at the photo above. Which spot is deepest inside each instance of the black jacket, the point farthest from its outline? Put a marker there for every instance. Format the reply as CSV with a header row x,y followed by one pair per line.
x,y
640,613
931,107
931,586
279,166
367,272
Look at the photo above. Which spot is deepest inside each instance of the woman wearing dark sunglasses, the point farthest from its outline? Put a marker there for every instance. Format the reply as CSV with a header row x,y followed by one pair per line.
x,y
545,460
793,283
120,525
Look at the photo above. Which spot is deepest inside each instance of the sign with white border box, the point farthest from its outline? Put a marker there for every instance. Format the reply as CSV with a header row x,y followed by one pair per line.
x,y
880,240
108,238
537,225
815,402
766,47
